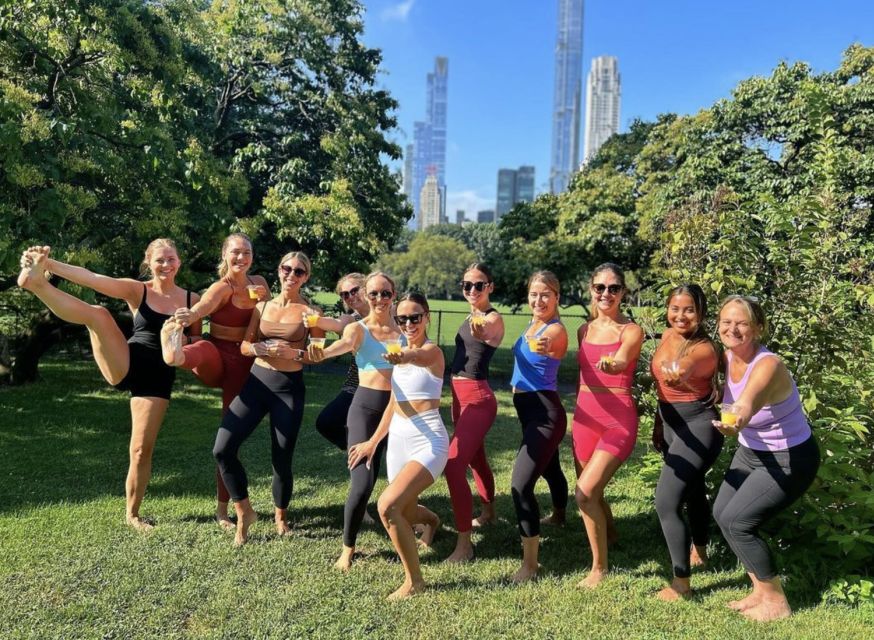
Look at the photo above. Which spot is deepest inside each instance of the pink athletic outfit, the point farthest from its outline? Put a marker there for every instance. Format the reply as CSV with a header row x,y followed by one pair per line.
x,y
605,420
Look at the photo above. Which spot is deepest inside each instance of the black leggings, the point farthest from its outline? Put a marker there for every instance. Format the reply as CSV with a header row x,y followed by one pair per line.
x,y
366,411
693,446
757,486
331,423
281,394
544,423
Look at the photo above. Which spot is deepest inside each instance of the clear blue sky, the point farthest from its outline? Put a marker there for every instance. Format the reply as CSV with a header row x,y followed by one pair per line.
x,y
674,56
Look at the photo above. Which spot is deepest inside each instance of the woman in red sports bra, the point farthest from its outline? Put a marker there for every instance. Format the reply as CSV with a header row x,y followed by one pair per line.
x,y
217,361
605,418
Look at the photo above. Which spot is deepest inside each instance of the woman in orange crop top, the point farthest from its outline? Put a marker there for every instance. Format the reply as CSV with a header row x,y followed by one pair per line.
x,y
277,337
684,365
217,360
605,417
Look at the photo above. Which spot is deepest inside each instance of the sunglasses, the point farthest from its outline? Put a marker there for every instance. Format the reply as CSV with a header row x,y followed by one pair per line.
x,y
350,294
413,318
479,286
613,289
297,271
385,294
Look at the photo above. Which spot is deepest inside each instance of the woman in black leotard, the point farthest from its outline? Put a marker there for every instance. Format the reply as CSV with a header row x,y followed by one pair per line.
x,y
133,365
277,336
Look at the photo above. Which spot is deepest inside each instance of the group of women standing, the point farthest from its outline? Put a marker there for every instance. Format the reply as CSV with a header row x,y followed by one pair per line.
x,y
389,404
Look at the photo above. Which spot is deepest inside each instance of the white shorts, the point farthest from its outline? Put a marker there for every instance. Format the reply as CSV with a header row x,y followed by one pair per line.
x,y
422,438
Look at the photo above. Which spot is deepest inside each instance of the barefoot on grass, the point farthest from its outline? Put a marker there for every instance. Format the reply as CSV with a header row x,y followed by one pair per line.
x,y
592,580
486,516
670,594
244,522
525,573
698,556
745,603
558,517
463,553
344,562
140,524
282,527
406,590
768,610
428,532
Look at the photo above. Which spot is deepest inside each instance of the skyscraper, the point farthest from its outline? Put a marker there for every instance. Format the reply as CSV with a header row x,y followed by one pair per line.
x,y
459,217
429,200
566,97
429,139
408,172
603,94
487,215
514,186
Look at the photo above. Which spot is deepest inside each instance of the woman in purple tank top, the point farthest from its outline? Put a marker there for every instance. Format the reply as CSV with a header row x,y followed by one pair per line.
x,y
777,457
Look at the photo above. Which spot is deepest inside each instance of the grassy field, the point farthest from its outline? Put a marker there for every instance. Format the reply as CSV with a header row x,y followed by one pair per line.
x,y
69,568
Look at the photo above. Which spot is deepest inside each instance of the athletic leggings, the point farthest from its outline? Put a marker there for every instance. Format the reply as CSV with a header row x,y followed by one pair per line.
x,y
693,446
474,408
281,394
219,363
366,411
544,424
757,486
331,422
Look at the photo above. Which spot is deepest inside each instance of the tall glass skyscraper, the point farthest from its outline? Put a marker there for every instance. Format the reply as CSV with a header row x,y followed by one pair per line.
x,y
429,139
514,186
603,94
568,91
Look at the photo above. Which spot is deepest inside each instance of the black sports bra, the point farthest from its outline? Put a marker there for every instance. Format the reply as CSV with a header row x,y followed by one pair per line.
x,y
148,322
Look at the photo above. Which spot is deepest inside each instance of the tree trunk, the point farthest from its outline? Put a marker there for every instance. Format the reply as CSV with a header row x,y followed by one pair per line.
x,y
39,338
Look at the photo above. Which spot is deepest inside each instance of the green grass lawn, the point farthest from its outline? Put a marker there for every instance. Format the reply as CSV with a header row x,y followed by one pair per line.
x,y
70,568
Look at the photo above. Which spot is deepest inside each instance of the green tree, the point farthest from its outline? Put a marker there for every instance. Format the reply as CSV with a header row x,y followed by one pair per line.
x,y
433,265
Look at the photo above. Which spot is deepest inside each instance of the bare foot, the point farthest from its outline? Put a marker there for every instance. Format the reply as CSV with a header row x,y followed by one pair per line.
x,y
406,590
768,610
670,594
368,519
33,270
463,553
525,573
592,580
745,603
486,516
557,518
140,524
282,526
428,532
171,343
222,518
698,556
344,562
243,523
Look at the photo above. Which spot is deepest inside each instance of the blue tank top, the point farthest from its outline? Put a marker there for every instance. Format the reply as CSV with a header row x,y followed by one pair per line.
x,y
532,371
369,354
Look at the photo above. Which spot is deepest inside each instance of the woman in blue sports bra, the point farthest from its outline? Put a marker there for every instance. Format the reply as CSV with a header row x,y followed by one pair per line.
x,y
134,364
537,354
366,338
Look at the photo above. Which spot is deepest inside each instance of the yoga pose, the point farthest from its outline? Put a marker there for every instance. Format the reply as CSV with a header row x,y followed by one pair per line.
x,y
777,457
418,445
368,339
217,360
474,408
277,337
605,417
538,352
684,367
133,365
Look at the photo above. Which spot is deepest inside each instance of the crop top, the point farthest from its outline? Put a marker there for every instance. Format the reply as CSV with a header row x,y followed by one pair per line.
x,y
775,427
369,354
294,333
472,356
698,386
230,315
590,354
533,371
148,323
411,382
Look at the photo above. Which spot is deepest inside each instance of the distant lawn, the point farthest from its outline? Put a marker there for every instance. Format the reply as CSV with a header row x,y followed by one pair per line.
x,y
69,568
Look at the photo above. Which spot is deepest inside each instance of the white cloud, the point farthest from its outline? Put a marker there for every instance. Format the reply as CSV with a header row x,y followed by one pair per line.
x,y
471,200
398,11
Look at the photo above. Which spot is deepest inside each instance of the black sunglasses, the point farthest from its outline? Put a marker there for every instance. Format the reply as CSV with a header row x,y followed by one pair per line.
x,y
479,286
385,294
413,318
348,294
613,289
297,271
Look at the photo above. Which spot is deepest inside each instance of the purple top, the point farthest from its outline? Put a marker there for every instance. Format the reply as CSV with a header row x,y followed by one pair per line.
x,y
776,427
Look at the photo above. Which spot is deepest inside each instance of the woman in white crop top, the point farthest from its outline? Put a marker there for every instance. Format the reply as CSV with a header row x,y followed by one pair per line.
x,y
418,445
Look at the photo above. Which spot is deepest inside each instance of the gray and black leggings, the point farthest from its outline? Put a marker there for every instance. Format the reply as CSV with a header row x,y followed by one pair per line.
x,y
693,446
544,423
366,411
757,486
281,394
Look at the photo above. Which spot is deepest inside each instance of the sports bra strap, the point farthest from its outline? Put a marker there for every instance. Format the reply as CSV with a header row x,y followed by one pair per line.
x,y
145,290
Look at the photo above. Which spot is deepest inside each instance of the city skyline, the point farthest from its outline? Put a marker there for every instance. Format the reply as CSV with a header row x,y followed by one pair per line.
x,y
603,104
673,58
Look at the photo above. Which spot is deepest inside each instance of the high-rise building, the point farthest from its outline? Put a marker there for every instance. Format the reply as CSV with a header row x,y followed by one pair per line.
x,y
486,215
429,201
566,97
408,172
603,95
429,139
514,186
459,217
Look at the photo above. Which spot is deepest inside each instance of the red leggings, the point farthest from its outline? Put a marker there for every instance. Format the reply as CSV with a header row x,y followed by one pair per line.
x,y
474,408
219,363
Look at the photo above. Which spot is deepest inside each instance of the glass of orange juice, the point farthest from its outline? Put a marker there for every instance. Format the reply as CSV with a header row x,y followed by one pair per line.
x,y
607,358
253,291
393,345
477,318
311,318
318,343
728,414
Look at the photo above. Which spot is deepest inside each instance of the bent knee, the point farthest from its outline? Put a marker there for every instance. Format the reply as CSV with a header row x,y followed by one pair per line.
x,y
389,510
586,499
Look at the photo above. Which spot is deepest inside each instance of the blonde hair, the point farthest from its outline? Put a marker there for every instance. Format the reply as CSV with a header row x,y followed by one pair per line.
x,y
380,274
157,243
552,283
223,265
357,278
755,312
299,255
